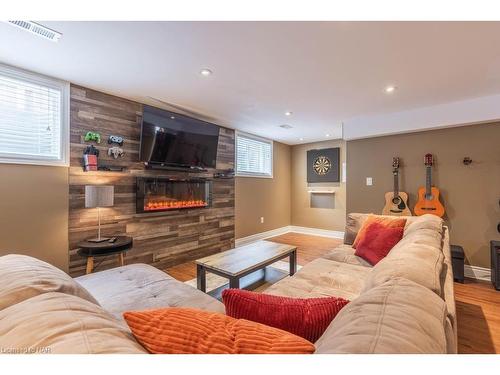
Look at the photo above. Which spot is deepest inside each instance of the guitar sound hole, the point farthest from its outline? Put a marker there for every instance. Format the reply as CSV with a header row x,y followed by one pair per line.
x,y
396,200
429,197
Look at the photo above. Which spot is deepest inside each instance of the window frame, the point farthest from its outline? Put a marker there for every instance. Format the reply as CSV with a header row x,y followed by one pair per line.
x,y
256,138
64,88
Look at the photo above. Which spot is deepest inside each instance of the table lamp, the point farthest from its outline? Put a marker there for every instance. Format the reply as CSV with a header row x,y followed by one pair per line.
x,y
99,196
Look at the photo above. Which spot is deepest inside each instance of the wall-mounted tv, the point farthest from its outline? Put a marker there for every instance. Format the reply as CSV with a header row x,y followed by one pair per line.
x,y
172,139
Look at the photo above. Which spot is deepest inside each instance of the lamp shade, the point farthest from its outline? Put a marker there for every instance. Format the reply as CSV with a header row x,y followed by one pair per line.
x,y
99,196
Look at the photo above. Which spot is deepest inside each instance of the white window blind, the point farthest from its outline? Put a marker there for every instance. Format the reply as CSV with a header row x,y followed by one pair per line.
x,y
33,127
254,156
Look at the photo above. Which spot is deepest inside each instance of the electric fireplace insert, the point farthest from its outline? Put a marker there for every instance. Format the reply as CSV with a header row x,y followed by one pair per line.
x,y
164,194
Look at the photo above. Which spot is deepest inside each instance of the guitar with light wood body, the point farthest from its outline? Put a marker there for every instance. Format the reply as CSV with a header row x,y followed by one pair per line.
x,y
396,202
428,196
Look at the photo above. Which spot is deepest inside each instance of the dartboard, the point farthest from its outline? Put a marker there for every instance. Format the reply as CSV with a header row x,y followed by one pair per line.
x,y
322,165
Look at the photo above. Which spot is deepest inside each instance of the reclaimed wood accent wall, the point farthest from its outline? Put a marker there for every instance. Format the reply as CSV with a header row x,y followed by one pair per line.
x,y
161,239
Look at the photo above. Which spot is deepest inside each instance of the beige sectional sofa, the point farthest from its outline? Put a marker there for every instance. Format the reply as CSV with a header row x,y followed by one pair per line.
x,y
405,304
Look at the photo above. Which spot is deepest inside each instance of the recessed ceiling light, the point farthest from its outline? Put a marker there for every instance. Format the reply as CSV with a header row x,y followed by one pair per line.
x,y
288,113
390,89
327,135
37,29
206,72
286,126
301,139
172,117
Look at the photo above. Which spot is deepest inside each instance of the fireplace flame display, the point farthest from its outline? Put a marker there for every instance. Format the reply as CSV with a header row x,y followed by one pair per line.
x,y
157,205
155,194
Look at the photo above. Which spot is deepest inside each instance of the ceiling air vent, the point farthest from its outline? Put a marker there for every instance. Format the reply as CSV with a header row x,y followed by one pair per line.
x,y
286,126
37,29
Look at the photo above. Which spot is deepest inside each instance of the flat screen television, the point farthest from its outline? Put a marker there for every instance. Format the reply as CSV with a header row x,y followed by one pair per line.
x,y
172,139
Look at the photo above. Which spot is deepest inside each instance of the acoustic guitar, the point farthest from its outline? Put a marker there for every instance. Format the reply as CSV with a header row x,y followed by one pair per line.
x,y
428,196
396,202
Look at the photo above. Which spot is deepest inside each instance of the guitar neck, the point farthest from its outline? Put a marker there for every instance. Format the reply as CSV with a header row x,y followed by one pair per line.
x,y
396,184
428,180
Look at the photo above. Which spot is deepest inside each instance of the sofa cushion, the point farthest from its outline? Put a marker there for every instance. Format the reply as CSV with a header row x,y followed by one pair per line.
x,y
140,286
421,264
63,324
323,278
418,256
345,254
23,277
398,316
304,317
354,222
377,241
191,331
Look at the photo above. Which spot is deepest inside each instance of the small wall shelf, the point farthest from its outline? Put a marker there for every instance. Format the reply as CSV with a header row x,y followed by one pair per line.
x,y
321,191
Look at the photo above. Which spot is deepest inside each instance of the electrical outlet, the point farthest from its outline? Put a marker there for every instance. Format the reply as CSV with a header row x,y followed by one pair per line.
x,y
262,220
369,181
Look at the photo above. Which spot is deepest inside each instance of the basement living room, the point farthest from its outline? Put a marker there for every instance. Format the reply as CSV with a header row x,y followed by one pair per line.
x,y
249,188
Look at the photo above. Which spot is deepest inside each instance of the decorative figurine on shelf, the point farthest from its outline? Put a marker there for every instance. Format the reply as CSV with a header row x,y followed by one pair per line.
x,y
90,155
115,139
92,137
116,152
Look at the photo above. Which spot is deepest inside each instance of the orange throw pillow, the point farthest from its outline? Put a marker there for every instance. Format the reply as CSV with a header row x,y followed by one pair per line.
x,y
387,222
178,330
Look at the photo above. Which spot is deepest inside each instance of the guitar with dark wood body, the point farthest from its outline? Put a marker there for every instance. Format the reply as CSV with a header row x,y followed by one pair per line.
x,y
396,202
428,196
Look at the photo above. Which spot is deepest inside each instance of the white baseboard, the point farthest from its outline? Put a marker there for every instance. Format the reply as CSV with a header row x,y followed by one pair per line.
x,y
262,236
478,273
283,230
317,232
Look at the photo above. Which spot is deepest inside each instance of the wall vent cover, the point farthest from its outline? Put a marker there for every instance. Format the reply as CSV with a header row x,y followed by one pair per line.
x,y
286,126
37,29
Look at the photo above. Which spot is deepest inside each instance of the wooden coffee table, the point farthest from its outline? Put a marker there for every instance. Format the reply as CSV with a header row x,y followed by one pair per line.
x,y
244,260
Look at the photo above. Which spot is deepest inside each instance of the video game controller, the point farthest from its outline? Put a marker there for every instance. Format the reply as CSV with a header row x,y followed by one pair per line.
x,y
116,152
115,139
92,136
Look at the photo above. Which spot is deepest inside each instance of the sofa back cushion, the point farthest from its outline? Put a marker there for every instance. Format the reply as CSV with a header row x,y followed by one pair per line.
x,y
398,316
355,221
60,323
421,264
418,256
23,277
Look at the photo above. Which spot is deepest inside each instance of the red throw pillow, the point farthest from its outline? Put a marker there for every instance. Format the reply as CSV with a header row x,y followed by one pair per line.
x,y
377,241
388,222
307,318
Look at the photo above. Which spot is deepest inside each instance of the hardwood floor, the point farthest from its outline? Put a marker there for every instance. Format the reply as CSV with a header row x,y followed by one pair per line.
x,y
478,303
478,317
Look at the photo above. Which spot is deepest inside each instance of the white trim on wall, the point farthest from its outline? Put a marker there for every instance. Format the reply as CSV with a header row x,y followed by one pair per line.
x,y
288,229
261,236
317,232
478,273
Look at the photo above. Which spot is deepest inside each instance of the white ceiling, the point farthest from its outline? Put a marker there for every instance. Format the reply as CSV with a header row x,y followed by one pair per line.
x,y
325,72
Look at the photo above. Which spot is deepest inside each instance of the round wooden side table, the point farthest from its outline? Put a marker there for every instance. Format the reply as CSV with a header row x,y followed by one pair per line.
x,y
91,250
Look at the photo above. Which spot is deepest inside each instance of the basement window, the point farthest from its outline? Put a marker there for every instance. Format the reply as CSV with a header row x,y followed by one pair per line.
x,y
34,118
254,156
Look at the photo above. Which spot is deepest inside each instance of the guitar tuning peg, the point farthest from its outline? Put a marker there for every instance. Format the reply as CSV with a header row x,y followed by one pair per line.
x,y
467,161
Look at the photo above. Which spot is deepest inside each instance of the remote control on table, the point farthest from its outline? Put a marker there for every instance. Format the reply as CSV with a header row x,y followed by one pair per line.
x,y
112,239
